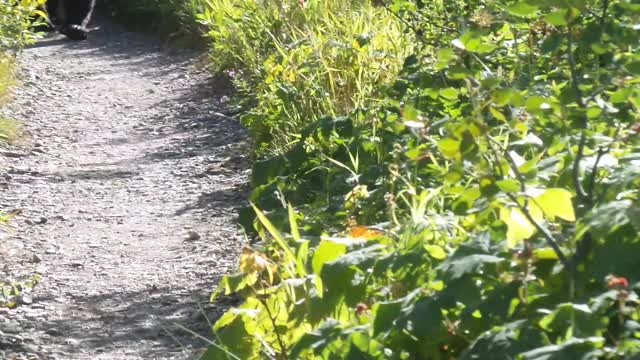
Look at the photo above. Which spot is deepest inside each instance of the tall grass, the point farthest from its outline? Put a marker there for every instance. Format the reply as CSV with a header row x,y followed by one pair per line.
x,y
296,61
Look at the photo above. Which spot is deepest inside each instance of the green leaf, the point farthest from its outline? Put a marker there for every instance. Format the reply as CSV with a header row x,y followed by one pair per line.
x,y
509,185
325,252
450,148
449,93
556,202
536,103
583,349
522,9
459,266
444,57
545,253
557,18
505,342
436,251
386,314
502,97
633,67
277,236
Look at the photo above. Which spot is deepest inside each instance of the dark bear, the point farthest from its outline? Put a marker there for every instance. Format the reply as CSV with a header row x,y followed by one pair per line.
x,y
70,17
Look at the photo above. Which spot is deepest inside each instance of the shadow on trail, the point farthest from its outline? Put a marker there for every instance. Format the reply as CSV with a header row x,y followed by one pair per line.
x,y
188,123
226,198
174,322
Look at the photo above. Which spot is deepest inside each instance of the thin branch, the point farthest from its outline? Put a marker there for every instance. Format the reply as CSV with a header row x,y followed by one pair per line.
x,y
605,7
582,196
275,329
573,68
546,233
525,210
592,181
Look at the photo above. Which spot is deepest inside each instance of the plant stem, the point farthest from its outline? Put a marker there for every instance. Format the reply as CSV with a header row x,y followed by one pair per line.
x,y
283,348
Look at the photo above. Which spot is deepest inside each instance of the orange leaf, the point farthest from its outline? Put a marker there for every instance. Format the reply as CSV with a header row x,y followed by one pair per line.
x,y
361,231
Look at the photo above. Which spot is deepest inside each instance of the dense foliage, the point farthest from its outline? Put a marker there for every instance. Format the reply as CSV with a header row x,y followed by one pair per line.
x,y
294,62
480,202
16,18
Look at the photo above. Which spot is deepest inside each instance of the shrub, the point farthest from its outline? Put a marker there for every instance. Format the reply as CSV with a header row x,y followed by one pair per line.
x,y
16,17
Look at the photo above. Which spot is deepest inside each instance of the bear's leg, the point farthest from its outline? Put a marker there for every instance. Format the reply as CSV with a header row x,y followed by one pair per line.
x,y
77,14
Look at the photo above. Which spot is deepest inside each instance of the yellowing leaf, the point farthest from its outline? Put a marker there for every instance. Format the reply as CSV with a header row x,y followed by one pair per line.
x,y
556,202
255,262
518,227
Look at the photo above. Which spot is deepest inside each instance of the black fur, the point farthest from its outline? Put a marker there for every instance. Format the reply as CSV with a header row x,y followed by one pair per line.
x,y
70,17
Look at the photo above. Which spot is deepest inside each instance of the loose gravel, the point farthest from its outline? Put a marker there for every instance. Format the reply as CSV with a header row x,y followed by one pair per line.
x,y
126,182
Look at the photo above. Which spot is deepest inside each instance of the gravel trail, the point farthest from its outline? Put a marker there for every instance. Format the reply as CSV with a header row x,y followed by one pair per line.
x,y
127,181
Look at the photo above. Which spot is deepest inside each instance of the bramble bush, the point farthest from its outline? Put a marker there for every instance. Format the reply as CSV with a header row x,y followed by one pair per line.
x,y
482,203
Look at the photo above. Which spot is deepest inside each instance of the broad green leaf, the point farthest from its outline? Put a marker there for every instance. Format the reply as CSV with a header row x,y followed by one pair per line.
x,y
502,97
556,202
386,314
325,252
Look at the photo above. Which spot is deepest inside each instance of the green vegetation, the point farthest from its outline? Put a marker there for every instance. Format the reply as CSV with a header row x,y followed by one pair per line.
x,y
15,20
166,17
16,17
436,180
295,63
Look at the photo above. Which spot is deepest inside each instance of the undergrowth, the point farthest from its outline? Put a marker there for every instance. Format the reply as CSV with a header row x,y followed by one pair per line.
x,y
436,180
295,62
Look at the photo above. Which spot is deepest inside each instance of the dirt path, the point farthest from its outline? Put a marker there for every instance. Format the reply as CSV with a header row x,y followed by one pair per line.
x,y
128,185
